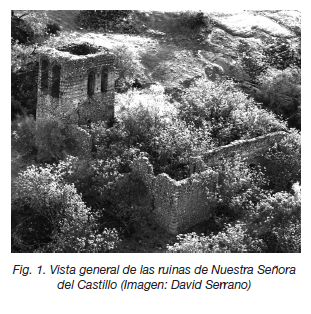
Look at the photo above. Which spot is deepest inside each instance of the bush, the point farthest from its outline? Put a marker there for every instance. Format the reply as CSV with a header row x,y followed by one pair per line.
x,y
229,113
56,140
170,151
21,31
101,19
150,123
196,21
276,220
114,195
28,27
281,54
128,67
24,137
24,80
52,28
283,162
281,93
238,189
52,216
253,61
234,239
142,116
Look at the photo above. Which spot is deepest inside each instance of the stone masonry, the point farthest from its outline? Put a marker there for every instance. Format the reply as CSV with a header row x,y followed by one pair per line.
x,y
178,205
76,86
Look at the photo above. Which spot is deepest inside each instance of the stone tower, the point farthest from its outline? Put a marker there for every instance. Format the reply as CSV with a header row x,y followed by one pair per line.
x,y
76,84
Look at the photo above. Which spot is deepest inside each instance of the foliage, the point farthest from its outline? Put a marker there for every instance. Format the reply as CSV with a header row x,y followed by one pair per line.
x,y
283,162
228,112
65,38
150,123
112,193
281,93
52,28
233,239
170,151
128,67
52,216
112,20
56,140
24,137
276,220
272,224
24,77
28,27
143,115
280,53
238,187
252,60
196,21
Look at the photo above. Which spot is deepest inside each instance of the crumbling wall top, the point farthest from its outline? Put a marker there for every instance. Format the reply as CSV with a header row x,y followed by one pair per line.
x,y
75,52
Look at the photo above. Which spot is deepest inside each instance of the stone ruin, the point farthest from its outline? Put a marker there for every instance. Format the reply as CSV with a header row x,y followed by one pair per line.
x,y
179,205
76,84
75,88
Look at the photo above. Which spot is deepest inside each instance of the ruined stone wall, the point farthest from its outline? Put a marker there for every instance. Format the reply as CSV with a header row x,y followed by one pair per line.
x,y
178,205
250,150
74,105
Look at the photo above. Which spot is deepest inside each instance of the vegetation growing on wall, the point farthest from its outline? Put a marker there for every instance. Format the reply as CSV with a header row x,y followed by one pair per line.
x,y
69,201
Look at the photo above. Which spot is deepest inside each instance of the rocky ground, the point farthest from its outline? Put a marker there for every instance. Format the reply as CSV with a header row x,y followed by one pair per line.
x,y
175,57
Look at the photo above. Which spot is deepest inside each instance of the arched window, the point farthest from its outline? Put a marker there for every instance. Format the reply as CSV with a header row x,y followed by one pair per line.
x,y
104,80
91,84
44,76
55,81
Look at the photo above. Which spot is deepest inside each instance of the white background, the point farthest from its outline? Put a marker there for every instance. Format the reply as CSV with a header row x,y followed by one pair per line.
x,y
268,294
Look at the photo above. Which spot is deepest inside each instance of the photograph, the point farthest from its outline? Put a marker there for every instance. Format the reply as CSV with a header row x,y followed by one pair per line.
x,y
144,131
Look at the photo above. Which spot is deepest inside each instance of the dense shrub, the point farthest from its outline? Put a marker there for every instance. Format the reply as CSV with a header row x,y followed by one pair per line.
x,y
272,224
237,187
114,195
24,137
150,122
276,220
24,80
281,54
253,61
21,30
196,21
228,112
142,116
283,162
281,93
52,217
52,28
170,151
28,27
56,140
128,67
233,239
105,19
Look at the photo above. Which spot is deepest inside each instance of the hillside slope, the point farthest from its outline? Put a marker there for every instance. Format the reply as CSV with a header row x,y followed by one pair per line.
x,y
175,56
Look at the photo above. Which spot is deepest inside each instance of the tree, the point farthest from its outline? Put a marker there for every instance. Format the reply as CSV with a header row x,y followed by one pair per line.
x,y
50,215
281,93
229,113
128,67
283,162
